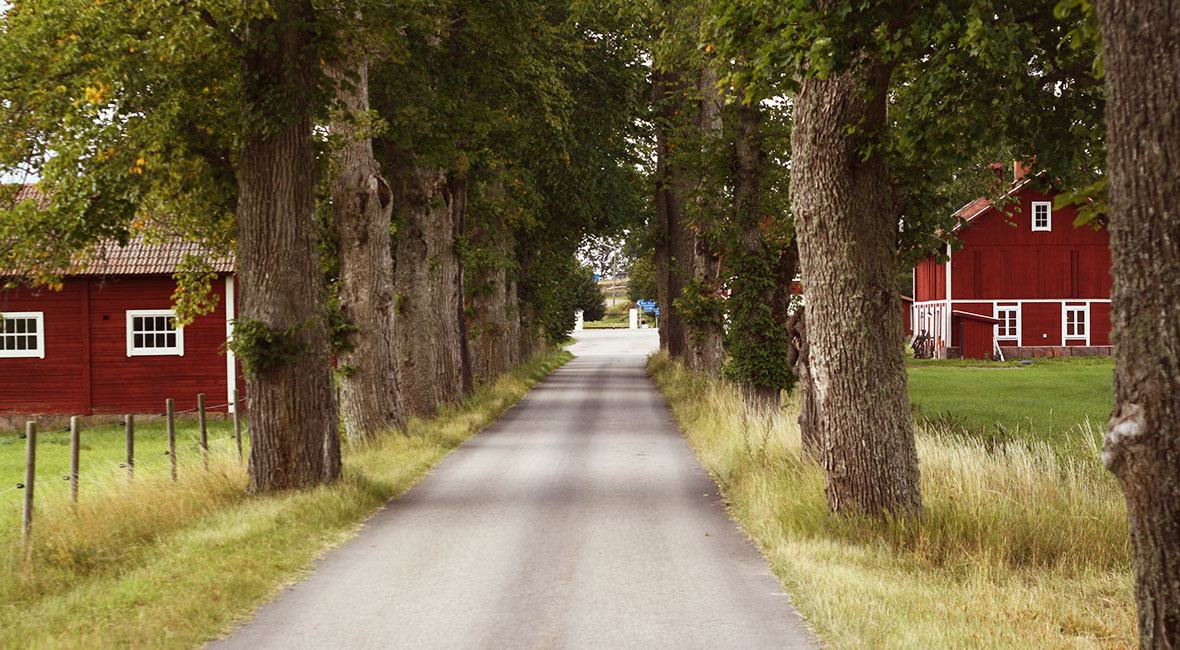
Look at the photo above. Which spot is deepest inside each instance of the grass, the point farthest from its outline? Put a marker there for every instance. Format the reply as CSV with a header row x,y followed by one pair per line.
x,y
1045,400
102,449
164,565
1019,546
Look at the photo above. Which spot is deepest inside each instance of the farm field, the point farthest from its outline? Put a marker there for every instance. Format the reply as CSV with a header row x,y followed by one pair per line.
x,y
1040,401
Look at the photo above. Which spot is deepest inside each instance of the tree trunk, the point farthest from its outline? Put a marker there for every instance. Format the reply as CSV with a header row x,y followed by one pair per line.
x,y
846,224
673,243
490,328
426,277
458,336
293,419
758,341
362,206
800,361
705,348
1141,49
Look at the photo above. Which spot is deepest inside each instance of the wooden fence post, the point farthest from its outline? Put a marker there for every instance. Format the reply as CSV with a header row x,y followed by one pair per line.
x,y
75,447
238,423
26,526
130,426
204,429
170,409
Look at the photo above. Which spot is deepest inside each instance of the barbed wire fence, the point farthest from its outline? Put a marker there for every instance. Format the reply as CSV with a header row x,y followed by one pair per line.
x,y
198,443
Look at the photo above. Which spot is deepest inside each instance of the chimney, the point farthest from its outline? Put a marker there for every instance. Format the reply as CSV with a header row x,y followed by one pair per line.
x,y
1019,170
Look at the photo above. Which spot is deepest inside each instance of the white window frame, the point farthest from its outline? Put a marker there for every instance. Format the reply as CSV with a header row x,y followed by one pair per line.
x,y
132,351
1016,324
39,351
1084,311
1048,225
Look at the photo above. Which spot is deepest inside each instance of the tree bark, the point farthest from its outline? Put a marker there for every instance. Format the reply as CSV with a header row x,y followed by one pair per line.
x,y
426,277
1141,49
800,361
846,223
705,347
362,206
673,242
293,419
490,328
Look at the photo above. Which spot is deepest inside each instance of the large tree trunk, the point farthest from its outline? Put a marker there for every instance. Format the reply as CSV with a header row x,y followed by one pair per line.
x,y
673,243
758,338
293,419
1141,49
362,206
490,239
846,223
426,277
458,336
705,348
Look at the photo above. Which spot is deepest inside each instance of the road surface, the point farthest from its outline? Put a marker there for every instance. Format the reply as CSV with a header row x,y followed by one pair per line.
x,y
581,519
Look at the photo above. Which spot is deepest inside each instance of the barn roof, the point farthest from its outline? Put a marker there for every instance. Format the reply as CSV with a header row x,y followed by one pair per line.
x,y
140,257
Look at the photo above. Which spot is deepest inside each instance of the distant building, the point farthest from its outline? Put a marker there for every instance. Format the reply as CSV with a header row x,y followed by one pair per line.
x,y
1026,282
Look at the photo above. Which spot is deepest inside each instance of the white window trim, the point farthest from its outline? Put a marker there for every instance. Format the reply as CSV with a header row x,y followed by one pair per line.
x,y
1019,325
1048,211
39,352
177,351
1085,312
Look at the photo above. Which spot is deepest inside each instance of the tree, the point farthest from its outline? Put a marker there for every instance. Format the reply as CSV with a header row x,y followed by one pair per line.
x,y
362,205
169,119
1141,53
688,127
877,145
587,295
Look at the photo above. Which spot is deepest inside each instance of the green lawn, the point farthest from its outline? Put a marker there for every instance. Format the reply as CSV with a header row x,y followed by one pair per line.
x,y
1043,400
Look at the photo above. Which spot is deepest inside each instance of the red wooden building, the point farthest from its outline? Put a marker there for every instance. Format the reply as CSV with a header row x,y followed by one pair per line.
x,y
1026,282
106,342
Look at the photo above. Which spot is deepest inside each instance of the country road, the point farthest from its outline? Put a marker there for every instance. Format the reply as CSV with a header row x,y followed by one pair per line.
x,y
581,519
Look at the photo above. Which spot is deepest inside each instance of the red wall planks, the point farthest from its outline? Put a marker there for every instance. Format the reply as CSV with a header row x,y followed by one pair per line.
x,y
54,384
117,383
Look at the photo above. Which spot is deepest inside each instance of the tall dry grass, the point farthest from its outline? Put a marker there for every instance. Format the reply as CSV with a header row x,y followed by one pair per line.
x,y
1021,543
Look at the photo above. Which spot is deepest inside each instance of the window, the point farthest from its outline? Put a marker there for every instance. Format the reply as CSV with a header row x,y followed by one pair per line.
x,y
154,332
1008,327
22,334
1042,214
1075,322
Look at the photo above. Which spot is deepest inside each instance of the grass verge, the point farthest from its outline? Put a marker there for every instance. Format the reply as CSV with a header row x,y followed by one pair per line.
x,y
172,565
1020,546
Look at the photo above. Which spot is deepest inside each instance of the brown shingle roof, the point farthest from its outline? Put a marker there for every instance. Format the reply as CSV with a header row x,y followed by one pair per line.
x,y
141,258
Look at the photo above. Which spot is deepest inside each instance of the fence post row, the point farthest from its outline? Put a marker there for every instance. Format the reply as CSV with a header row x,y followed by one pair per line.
x,y
75,447
238,424
204,429
130,424
170,425
26,525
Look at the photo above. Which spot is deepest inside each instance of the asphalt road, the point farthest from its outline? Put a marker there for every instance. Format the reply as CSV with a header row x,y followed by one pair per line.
x,y
581,519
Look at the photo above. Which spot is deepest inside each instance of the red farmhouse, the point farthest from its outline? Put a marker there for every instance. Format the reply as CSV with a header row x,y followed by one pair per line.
x,y
1026,282
106,342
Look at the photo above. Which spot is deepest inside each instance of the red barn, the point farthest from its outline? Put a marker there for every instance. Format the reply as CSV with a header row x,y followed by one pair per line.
x,y
1038,282
106,342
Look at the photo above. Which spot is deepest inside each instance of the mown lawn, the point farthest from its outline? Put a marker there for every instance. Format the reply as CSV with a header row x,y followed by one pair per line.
x,y
1045,400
